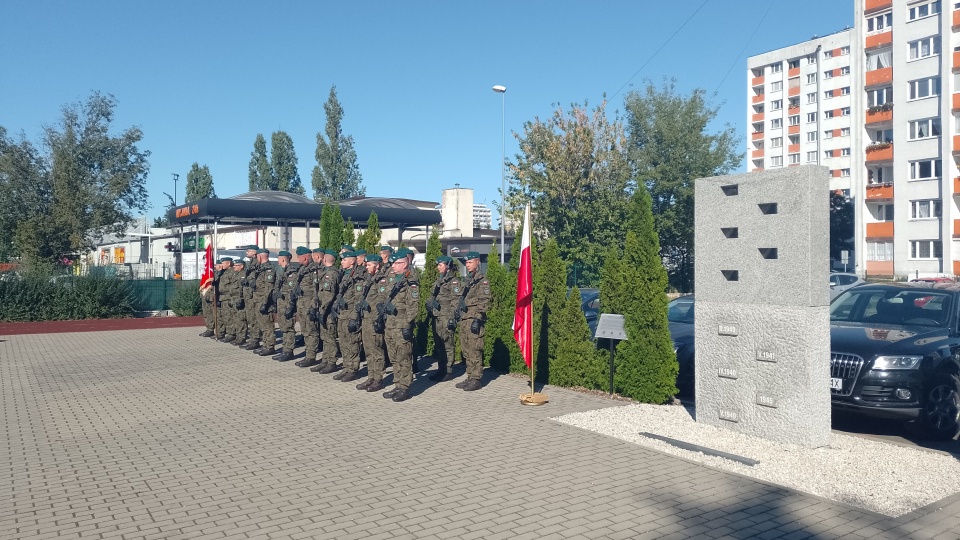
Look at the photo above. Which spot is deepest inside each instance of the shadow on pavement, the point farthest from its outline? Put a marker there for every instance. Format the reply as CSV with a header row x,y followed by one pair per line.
x,y
904,433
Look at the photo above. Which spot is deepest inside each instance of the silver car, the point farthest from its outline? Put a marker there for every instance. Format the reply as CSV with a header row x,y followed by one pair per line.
x,y
840,282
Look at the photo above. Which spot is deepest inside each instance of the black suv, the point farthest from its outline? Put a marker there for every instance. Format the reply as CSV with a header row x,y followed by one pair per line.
x,y
895,353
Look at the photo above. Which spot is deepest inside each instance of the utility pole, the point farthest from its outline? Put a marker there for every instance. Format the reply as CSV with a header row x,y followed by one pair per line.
x,y
175,178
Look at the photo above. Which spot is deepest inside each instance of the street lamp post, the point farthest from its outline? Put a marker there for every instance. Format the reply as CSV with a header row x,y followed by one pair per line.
x,y
502,90
175,178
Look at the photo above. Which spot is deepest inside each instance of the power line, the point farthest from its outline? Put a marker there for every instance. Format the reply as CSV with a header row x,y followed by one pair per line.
x,y
655,53
745,45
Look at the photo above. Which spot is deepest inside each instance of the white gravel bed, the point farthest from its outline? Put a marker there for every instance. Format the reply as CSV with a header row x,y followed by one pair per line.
x,y
877,476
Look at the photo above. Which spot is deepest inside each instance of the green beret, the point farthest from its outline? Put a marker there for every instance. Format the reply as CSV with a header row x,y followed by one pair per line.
x,y
226,259
330,252
373,258
284,253
394,257
348,255
303,250
360,252
253,247
403,252
318,250
239,262
471,255
386,248
444,259
347,247
263,250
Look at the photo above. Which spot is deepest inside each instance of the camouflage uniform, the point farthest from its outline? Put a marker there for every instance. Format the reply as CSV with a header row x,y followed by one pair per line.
x,y
286,304
250,306
329,284
306,309
264,300
373,345
226,298
351,289
447,295
206,307
239,303
477,300
399,327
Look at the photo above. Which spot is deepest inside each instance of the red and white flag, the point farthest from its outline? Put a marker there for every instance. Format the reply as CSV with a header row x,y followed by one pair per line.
x,y
523,314
206,279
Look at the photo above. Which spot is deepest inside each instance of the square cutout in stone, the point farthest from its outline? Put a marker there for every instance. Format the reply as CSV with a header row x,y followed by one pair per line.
x,y
731,189
768,208
731,232
731,275
768,253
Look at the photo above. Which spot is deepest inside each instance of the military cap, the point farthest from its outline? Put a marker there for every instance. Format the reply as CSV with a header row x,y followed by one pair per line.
x,y
372,258
303,250
471,255
284,253
226,259
254,247
318,250
444,259
239,262
347,247
348,255
360,253
402,252
394,257
263,250
386,248
330,252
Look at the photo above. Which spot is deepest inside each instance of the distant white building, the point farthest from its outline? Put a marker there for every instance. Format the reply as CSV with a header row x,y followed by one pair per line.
x,y
482,217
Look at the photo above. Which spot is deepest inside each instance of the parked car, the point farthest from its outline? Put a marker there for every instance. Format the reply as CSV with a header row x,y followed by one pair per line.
x,y
590,302
680,320
933,280
895,353
840,282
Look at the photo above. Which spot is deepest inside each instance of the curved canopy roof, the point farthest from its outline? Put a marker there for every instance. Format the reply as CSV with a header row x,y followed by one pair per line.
x,y
290,209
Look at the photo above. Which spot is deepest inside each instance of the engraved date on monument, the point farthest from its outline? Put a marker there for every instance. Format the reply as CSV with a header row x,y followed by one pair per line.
x,y
728,373
765,400
766,356
728,329
729,415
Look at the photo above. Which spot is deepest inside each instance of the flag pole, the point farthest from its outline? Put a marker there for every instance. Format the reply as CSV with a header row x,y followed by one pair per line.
x,y
523,313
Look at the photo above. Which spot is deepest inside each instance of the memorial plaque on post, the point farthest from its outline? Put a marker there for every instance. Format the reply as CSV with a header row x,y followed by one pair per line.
x,y
610,326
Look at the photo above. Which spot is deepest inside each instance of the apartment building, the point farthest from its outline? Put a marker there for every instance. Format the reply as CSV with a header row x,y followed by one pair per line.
x,y
885,127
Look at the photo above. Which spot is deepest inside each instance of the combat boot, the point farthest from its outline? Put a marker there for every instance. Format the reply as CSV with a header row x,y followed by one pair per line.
x,y
318,367
250,346
402,395
208,333
471,385
329,368
349,376
461,384
284,356
390,393
227,339
239,342
365,384
375,387
340,375
306,362
267,351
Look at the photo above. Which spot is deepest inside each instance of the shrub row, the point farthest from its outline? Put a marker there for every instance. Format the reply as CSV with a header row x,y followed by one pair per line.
x,y
39,298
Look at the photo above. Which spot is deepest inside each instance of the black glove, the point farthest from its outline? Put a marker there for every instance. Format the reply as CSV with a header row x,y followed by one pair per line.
x,y
291,309
264,309
353,325
335,311
389,308
432,305
380,309
219,304
363,306
240,304
462,307
407,333
312,314
378,325
451,324
244,283
475,326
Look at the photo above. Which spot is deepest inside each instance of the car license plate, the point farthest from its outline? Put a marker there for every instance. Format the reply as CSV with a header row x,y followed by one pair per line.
x,y
836,384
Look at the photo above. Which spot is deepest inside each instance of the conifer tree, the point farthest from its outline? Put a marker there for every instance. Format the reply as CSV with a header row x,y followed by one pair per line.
x,y
424,332
577,361
199,184
337,174
348,234
369,239
331,227
549,292
283,161
499,345
260,175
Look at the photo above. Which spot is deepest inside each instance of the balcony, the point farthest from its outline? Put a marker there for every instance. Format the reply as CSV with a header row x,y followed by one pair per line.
x,y
956,97
956,264
756,136
956,228
956,144
793,91
882,229
880,76
758,153
956,186
756,81
956,19
793,72
793,148
878,152
878,40
757,117
956,60
758,98
879,193
793,130
873,5
879,115
880,268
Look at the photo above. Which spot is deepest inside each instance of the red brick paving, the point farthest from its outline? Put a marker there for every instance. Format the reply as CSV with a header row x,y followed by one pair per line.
x,y
96,325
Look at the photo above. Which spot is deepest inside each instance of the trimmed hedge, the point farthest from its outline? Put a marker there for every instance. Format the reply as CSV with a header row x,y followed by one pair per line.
x,y
42,298
185,302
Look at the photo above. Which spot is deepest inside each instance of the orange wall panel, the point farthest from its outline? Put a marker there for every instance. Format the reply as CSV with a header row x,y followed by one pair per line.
x,y
883,229
876,40
879,268
879,76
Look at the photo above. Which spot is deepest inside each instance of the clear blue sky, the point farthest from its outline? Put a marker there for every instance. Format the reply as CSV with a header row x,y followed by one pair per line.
x,y
202,78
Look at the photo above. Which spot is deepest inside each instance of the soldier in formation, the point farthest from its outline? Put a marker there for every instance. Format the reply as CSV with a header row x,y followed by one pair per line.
x,y
286,304
472,313
400,311
442,306
376,292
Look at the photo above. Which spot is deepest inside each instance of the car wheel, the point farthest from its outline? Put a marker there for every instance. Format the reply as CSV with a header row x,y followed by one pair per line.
x,y
941,412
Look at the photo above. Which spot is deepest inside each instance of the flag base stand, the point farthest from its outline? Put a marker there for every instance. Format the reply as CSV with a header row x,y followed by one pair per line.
x,y
536,398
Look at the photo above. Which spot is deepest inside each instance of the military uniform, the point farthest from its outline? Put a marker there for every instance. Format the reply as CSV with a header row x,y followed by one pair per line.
x,y
348,325
207,307
307,312
475,298
329,284
286,309
263,297
239,302
443,304
251,307
400,312
224,284
378,289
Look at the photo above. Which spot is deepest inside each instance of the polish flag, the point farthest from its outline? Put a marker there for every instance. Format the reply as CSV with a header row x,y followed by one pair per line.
x,y
523,314
206,279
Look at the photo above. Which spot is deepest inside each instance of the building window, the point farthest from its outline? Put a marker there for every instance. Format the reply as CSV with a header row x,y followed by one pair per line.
x,y
844,132
827,154
845,151
879,251
926,249
776,142
776,161
828,94
922,88
828,54
929,209
811,156
811,117
811,78
844,172
828,114
919,11
924,129
828,134
883,135
879,96
811,136
776,105
776,68
844,50
793,120
812,59
926,169
845,111
882,212
812,97
794,158
879,23
845,91
776,86
776,123
828,74
845,70
793,64
925,47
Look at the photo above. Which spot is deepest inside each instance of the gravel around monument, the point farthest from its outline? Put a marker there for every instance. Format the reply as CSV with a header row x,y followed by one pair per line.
x,y
886,478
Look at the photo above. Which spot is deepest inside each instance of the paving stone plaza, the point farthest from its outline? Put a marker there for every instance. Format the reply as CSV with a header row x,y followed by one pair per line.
x,y
162,434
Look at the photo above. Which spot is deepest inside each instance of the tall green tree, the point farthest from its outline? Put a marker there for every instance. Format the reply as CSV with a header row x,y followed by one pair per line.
x,y
337,174
841,224
549,294
283,161
199,183
424,332
259,174
349,235
573,168
499,345
634,285
369,239
90,183
23,185
670,147
331,227
577,361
